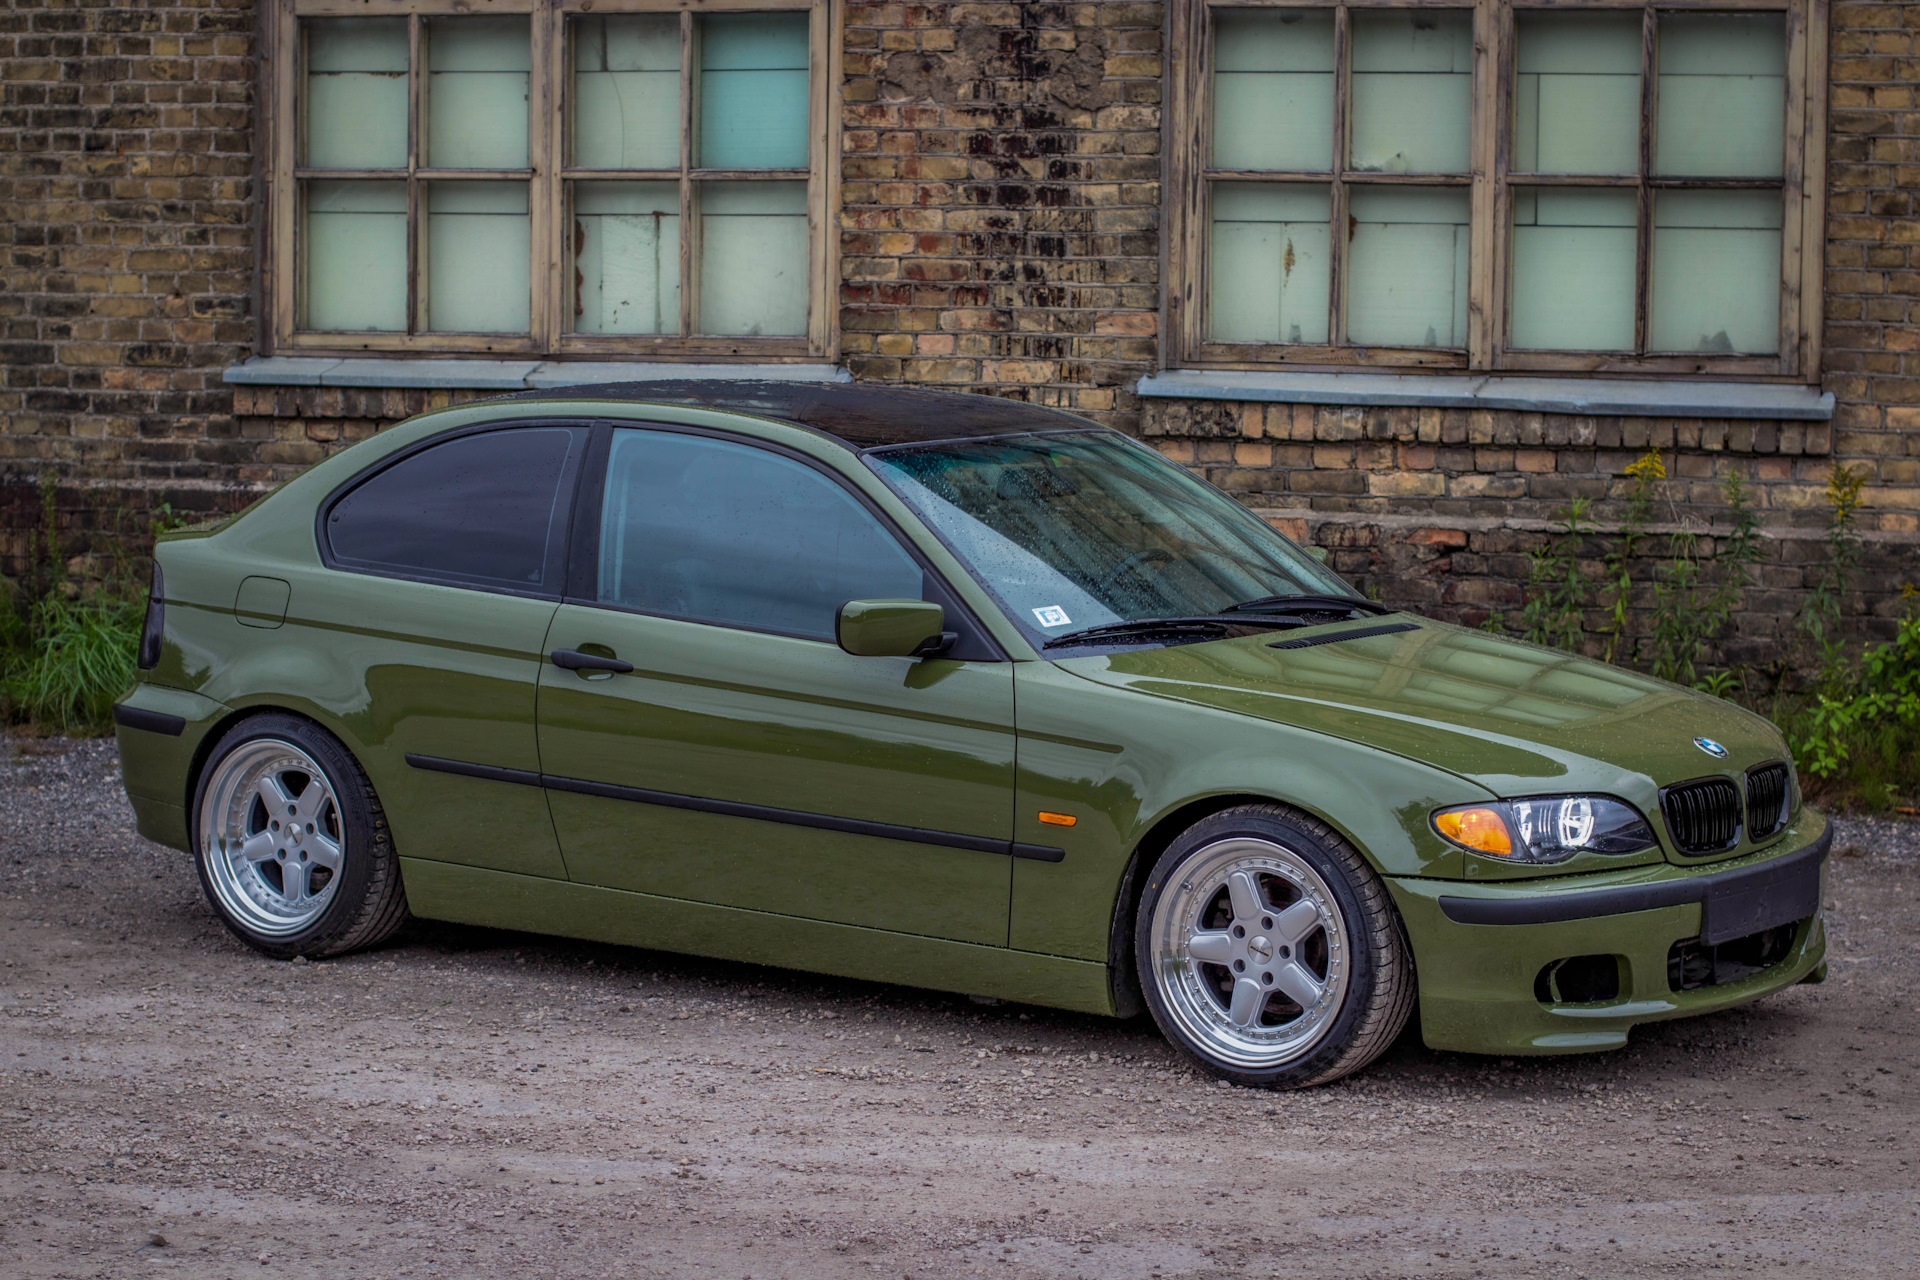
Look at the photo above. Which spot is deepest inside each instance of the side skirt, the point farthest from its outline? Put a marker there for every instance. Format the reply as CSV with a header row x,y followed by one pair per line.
x,y
502,900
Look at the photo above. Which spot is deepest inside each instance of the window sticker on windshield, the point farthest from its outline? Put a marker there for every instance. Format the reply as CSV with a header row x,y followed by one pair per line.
x,y
1052,616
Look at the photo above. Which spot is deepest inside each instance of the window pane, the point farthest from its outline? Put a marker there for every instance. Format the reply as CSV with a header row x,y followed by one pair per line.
x,y
1268,258
486,509
1407,269
1723,95
753,91
1412,91
1573,275
478,245
354,256
626,257
356,107
1716,271
626,92
753,258
477,93
1273,89
1577,93
727,533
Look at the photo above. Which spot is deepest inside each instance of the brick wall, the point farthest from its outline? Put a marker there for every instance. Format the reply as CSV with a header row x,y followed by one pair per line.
x,y
999,231
126,215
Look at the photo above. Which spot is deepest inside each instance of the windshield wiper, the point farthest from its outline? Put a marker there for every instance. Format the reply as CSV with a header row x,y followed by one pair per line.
x,y
1198,624
1308,602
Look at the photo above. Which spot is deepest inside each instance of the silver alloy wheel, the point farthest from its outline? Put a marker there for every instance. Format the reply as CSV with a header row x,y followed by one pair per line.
x,y
270,836
1250,953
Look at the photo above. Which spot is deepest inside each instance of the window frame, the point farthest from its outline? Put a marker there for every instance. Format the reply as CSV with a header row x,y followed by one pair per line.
x,y
975,643
573,477
1491,184
549,102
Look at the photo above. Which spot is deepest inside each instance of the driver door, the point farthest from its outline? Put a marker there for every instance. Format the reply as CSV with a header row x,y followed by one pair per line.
x,y
745,760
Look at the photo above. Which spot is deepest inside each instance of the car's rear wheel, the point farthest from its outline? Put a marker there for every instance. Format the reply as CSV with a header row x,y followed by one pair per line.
x,y
1269,952
291,843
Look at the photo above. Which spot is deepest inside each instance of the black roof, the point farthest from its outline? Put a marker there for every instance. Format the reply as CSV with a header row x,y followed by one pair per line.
x,y
863,416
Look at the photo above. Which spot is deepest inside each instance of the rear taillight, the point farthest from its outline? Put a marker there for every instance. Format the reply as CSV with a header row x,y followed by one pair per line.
x,y
149,656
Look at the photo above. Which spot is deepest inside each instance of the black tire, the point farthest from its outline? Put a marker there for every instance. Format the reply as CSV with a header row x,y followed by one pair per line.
x,y
1350,1025
365,902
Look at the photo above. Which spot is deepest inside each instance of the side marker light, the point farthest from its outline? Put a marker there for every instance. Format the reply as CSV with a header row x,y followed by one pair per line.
x,y
1057,819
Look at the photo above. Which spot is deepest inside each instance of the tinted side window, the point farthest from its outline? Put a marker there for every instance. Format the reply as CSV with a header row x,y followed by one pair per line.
x,y
487,510
723,532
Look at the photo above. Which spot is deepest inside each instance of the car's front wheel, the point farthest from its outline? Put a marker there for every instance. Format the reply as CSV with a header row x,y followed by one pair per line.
x,y
291,843
1269,952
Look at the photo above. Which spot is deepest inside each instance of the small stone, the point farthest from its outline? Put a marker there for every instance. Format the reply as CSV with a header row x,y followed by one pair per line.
x,y
299,960
157,1240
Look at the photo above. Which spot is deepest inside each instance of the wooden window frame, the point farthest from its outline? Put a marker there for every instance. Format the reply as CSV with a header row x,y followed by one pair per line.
x,y
1190,178
548,177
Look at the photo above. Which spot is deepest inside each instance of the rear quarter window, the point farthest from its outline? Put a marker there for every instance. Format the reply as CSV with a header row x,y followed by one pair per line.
x,y
487,510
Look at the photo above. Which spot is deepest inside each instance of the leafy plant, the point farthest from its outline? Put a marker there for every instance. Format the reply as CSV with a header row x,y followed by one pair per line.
x,y
1648,472
1819,618
1556,592
1689,613
1861,733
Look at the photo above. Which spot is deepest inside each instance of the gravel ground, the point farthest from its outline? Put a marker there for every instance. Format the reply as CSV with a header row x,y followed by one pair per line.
x,y
476,1103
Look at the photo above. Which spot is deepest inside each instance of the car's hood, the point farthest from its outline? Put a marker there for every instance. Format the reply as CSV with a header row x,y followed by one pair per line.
x,y
1516,718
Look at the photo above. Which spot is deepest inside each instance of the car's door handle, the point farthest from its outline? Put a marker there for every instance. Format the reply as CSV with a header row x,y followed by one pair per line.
x,y
574,660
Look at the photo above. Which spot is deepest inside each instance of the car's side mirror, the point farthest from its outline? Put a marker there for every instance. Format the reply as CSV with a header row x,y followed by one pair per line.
x,y
892,628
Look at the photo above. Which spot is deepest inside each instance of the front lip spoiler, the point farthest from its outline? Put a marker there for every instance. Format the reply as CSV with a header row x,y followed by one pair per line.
x,y
1732,903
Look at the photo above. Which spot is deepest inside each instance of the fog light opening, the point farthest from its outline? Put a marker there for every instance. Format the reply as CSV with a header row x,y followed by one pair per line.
x,y
1579,980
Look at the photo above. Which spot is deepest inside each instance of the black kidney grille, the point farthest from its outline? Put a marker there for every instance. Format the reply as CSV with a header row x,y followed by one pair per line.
x,y
1766,800
1702,817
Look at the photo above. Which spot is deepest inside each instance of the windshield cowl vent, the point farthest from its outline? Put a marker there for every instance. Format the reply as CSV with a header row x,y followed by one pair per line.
x,y
1333,637
1702,817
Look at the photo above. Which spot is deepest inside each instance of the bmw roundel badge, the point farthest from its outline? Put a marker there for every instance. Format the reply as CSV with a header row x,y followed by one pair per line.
x,y
1711,747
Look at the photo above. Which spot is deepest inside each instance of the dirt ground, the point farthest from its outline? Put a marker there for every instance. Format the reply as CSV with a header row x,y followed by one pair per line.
x,y
472,1103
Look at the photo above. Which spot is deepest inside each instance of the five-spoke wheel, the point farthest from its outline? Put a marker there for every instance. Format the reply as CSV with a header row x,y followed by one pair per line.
x,y
1268,950
291,843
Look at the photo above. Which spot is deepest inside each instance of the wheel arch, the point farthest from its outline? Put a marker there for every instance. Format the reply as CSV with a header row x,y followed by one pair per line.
x,y
203,752
1161,832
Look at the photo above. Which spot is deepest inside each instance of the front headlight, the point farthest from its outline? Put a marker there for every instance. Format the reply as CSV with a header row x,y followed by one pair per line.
x,y
1546,828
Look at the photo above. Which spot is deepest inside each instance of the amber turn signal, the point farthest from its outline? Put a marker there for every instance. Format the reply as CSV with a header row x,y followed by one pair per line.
x,y
1057,819
1480,829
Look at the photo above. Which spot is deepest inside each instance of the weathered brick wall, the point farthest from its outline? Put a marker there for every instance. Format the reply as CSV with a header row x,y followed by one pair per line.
x,y
1000,198
999,231
126,212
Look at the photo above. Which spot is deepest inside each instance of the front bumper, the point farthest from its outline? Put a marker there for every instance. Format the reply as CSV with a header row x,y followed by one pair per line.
x,y
1479,949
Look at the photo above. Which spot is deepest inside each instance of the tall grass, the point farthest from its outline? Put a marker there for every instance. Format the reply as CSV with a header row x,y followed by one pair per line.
x,y
63,665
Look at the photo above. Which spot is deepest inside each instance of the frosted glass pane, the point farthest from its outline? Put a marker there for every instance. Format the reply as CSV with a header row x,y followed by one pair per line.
x,y
1273,89
626,92
626,257
478,246
1723,96
355,113
1407,267
1577,93
1269,263
753,91
753,258
477,71
1412,91
354,251
1716,272
1573,273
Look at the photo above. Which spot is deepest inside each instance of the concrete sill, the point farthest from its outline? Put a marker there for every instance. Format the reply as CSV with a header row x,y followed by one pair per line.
x,y
1609,397
500,375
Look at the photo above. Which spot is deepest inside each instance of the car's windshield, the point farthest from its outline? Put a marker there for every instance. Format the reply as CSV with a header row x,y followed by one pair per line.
x,y
1072,530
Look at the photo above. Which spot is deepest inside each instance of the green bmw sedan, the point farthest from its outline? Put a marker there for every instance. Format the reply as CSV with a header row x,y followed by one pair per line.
x,y
949,691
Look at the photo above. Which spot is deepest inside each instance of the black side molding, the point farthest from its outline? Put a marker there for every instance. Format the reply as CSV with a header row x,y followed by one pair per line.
x,y
152,721
740,809
1733,903
1335,637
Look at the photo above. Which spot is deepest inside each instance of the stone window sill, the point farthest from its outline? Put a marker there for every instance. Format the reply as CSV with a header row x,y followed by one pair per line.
x,y
499,375
1609,397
